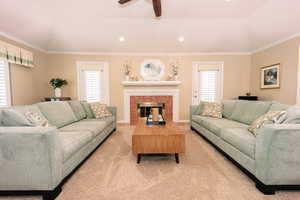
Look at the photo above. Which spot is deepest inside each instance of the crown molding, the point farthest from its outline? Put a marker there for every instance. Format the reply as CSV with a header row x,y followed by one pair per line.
x,y
273,44
149,53
15,39
278,42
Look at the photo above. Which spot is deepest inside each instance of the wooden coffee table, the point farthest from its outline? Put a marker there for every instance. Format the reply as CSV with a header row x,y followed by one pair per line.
x,y
156,139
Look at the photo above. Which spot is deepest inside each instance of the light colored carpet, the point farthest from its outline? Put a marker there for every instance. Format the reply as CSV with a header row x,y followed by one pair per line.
x,y
111,173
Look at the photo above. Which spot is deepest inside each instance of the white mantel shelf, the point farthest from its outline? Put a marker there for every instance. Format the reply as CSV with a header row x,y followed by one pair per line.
x,y
151,83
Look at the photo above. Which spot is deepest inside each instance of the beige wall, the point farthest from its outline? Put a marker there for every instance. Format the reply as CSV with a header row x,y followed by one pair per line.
x,y
286,54
28,84
241,75
236,75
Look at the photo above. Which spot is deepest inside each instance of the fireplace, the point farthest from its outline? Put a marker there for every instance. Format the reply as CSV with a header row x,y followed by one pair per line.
x,y
133,96
144,108
140,106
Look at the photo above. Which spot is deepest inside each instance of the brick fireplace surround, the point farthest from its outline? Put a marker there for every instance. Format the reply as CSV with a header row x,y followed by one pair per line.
x,y
134,100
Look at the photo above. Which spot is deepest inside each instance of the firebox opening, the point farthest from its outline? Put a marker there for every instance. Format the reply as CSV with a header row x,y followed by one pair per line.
x,y
144,108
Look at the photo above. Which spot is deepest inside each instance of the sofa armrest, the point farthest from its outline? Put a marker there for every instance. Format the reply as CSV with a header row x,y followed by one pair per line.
x,y
193,110
30,158
277,154
113,111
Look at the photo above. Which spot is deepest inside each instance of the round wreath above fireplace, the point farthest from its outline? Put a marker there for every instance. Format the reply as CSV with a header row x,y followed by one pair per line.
x,y
152,70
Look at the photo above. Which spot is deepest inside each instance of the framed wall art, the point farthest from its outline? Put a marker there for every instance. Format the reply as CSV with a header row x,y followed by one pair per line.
x,y
152,70
270,77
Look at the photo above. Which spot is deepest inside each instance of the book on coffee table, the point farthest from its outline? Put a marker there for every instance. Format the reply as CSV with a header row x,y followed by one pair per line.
x,y
159,121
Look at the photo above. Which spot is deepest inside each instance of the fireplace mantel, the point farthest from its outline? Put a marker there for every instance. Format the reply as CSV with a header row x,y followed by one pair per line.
x,y
151,83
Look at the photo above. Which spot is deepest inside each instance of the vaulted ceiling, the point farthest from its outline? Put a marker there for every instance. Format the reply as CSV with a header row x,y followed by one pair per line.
x,y
96,25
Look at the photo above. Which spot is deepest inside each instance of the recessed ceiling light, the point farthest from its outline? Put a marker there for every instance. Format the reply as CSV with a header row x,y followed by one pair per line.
x,y
227,0
122,39
181,39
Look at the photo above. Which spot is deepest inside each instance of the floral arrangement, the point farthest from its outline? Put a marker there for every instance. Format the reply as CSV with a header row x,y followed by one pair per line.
x,y
175,69
127,68
58,83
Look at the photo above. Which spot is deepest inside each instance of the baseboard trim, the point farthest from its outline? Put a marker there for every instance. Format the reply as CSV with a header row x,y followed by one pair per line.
x,y
177,121
182,121
123,122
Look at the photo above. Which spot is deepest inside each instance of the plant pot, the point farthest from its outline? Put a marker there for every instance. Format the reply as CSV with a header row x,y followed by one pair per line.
x,y
127,78
57,92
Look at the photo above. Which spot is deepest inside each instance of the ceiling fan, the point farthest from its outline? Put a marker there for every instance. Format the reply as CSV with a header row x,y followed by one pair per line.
x,y
156,6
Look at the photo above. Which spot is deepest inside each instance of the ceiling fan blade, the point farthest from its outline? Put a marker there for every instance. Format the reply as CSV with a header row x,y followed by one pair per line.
x,y
157,7
123,1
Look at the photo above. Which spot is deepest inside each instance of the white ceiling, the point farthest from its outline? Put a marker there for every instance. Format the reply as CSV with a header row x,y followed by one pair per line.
x,y
96,25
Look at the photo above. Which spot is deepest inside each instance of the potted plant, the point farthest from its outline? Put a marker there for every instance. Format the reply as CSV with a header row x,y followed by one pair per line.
x,y
57,84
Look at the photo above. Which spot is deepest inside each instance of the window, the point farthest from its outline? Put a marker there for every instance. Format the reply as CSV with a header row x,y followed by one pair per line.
x,y
207,82
208,85
4,84
93,82
92,86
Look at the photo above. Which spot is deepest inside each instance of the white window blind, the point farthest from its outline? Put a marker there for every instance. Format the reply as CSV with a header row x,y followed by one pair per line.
x,y
93,82
208,88
4,84
93,86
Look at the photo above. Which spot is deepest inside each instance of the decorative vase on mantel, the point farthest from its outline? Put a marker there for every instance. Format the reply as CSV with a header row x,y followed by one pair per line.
x,y
58,92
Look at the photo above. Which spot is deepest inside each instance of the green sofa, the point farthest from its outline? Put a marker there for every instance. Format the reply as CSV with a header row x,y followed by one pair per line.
x,y
272,159
37,160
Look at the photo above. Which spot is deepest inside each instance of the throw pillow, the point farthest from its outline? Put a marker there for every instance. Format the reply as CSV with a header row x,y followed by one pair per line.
x,y
198,110
78,109
100,110
11,117
272,117
87,109
36,119
212,109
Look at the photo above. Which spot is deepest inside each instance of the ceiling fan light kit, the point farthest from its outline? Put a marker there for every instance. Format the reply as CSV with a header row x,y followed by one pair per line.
x,y
156,6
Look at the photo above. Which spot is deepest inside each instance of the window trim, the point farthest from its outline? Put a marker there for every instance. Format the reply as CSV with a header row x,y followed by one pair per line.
x,y
105,78
195,78
8,83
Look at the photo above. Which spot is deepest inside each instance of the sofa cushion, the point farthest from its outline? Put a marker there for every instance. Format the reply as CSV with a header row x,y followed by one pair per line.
x,y
107,120
12,117
29,108
59,113
96,127
78,109
228,107
198,119
248,111
73,142
88,109
293,115
241,139
199,109
216,125
278,106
